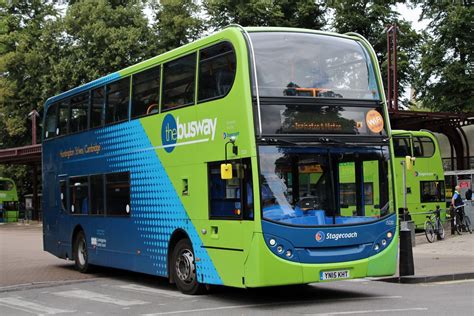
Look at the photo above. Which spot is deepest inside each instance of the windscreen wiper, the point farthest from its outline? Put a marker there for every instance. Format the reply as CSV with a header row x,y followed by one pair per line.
x,y
327,140
279,141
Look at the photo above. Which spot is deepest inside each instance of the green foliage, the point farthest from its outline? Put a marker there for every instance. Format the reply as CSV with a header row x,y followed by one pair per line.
x,y
290,13
22,65
177,22
100,38
446,82
370,19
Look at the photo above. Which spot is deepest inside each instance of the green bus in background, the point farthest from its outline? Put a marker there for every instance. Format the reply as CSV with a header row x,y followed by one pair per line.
x,y
8,200
348,189
425,185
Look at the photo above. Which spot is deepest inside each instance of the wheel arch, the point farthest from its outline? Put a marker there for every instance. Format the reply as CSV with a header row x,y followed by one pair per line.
x,y
76,230
177,235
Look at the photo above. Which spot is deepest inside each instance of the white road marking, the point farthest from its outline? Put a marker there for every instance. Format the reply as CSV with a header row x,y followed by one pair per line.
x,y
21,304
372,311
97,297
270,304
150,290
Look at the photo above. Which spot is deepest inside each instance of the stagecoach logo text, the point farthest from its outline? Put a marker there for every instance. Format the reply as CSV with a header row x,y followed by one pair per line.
x,y
321,236
191,132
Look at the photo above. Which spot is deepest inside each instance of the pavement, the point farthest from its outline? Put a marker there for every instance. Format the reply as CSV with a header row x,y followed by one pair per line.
x,y
443,260
24,263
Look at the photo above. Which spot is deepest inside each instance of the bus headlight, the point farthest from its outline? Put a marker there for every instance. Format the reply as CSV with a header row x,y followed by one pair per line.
x,y
389,235
289,253
272,242
376,247
280,249
384,242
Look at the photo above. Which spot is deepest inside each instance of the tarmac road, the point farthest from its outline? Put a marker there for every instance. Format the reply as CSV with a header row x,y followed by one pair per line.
x,y
35,282
142,295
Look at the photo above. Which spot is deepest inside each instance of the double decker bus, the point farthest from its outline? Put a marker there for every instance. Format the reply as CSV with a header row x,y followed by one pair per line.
x,y
220,162
8,200
425,186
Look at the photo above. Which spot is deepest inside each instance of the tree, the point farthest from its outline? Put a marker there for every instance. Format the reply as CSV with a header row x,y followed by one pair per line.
x,y
22,65
290,13
22,68
177,23
370,18
447,77
100,37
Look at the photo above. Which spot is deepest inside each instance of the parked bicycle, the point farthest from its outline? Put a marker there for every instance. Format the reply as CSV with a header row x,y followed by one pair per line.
x,y
434,226
461,222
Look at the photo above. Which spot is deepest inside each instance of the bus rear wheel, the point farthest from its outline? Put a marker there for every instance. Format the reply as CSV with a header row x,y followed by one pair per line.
x,y
81,255
183,268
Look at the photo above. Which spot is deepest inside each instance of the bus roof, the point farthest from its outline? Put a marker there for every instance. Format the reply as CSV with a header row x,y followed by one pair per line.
x,y
179,51
400,132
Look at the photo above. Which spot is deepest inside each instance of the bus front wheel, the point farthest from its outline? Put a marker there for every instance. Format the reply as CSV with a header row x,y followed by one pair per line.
x,y
81,257
184,268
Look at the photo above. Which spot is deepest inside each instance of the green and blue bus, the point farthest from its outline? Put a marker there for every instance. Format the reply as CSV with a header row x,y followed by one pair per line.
x,y
220,162
8,200
425,186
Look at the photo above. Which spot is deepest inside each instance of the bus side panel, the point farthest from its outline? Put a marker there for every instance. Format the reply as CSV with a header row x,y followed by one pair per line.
x,y
137,242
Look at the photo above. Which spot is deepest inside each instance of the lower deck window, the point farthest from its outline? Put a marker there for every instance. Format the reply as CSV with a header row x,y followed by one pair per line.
x,y
79,193
118,193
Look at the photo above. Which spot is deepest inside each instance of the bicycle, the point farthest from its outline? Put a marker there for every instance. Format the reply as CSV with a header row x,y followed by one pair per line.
x,y
434,226
462,222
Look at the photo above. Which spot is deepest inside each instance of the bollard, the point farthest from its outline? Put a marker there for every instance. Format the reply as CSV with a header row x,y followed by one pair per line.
x,y
406,265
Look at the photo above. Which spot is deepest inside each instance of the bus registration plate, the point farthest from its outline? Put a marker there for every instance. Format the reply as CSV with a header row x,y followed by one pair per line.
x,y
334,275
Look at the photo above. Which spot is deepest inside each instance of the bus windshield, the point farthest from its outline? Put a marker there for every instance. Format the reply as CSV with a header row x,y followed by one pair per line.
x,y
310,186
312,65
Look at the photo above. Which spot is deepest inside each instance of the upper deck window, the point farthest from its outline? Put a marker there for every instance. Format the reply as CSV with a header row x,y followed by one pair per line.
x,y
97,107
51,121
63,118
216,71
179,77
401,146
312,65
79,108
423,147
118,95
146,92
6,185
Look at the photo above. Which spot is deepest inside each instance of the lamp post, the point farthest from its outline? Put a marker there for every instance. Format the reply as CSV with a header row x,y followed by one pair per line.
x,y
33,115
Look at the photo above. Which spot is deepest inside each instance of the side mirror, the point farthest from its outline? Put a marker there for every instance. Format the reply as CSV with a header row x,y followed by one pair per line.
x,y
226,171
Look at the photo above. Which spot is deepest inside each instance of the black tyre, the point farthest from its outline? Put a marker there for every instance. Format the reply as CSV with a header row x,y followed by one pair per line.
x,y
81,254
457,224
183,268
429,231
440,232
467,224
